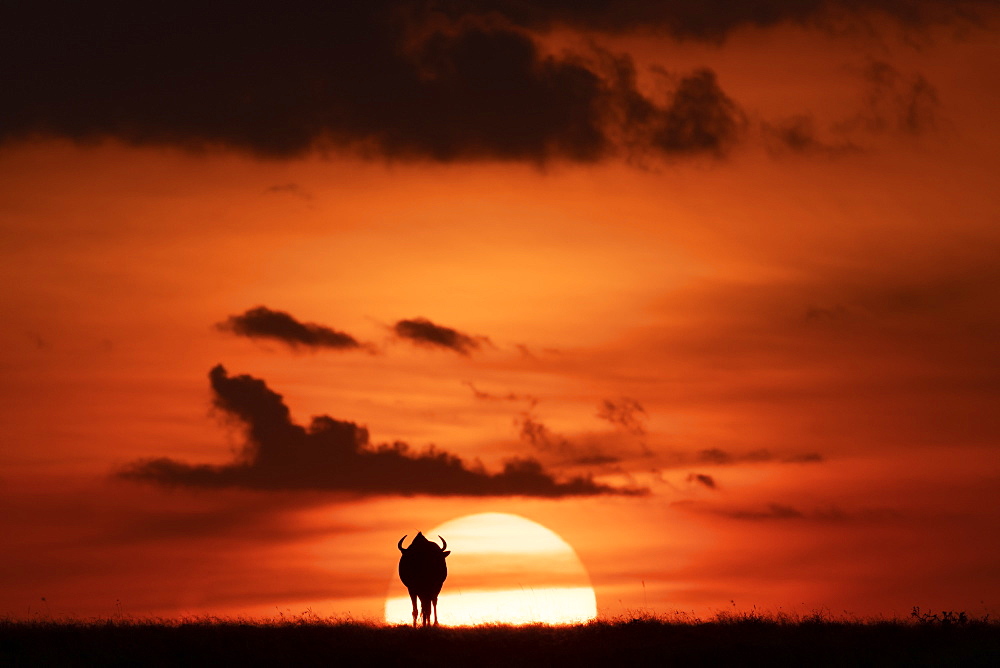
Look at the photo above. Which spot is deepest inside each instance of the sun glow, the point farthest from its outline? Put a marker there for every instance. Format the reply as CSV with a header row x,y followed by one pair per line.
x,y
504,568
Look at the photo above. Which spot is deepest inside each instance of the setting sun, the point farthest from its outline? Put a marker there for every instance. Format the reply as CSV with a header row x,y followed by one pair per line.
x,y
507,569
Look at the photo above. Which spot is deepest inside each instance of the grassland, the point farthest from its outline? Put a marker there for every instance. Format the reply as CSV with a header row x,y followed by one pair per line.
x,y
725,640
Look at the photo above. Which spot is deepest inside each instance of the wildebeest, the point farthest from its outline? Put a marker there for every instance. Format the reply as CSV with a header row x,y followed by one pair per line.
x,y
423,570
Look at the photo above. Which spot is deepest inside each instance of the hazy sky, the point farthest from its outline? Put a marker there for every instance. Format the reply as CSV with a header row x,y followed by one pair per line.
x,y
708,289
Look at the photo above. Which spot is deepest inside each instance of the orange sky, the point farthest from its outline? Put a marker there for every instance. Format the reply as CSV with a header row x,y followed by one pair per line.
x,y
785,338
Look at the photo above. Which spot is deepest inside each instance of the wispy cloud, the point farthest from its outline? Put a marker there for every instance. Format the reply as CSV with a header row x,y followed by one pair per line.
x,y
785,512
543,440
719,456
625,413
897,102
490,396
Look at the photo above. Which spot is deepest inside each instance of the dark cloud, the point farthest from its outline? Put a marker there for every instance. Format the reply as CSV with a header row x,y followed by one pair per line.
x,y
262,322
625,413
378,78
489,92
703,479
424,332
336,455
443,80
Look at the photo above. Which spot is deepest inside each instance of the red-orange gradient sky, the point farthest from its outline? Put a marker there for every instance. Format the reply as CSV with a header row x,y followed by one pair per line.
x,y
709,289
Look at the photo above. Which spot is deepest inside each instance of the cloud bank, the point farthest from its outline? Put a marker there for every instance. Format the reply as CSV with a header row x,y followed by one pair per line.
x,y
337,455
443,81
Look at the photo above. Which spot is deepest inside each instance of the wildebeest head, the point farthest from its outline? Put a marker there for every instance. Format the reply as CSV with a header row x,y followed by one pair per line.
x,y
421,544
423,570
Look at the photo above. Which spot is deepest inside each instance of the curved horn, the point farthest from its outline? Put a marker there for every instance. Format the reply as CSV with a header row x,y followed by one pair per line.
x,y
400,544
444,543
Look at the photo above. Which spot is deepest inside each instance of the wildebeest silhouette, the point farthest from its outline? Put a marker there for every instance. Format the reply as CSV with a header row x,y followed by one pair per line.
x,y
423,570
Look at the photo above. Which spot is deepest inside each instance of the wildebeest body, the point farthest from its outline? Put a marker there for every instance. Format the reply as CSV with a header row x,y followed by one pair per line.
x,y
423,570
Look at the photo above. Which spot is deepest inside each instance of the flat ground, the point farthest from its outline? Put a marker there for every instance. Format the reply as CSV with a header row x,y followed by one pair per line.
x,y
725,641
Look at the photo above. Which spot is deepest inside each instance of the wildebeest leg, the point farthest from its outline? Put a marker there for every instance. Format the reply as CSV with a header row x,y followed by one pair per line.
x,y
413,600
434,601
425,609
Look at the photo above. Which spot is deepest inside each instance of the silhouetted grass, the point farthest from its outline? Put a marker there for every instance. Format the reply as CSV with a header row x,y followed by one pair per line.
x,y
728,639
